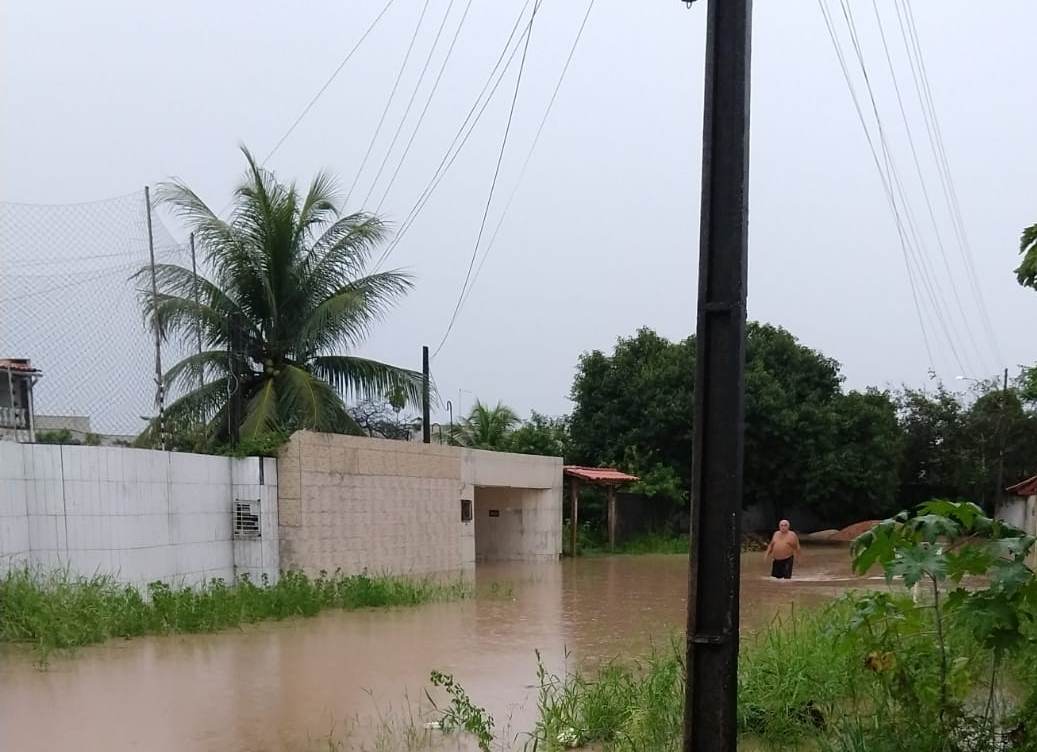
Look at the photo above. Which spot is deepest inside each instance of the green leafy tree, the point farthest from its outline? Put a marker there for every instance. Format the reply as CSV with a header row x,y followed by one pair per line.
x,y
486,427
857,472
540,435
789,391
633,408
952,449
289,297
938,458
1026,274
807,443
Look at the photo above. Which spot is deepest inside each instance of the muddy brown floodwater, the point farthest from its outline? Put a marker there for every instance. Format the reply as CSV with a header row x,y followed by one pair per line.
x,y
285,685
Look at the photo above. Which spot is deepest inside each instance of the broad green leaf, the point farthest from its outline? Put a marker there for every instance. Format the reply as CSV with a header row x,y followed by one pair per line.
x,y
932,527
974,560
912,564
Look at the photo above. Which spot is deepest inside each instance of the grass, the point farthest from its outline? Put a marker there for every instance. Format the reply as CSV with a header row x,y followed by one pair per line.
x,y
802,685
592,544
791,676
60,611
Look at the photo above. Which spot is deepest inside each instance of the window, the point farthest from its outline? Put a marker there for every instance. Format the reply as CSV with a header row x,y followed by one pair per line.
x,y
466,510
246,519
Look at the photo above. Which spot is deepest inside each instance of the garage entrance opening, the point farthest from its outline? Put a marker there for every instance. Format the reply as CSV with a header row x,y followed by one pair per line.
x,y
516,524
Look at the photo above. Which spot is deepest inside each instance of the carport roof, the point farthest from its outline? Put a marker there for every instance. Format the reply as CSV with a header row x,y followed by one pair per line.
x,y
602,475
1027,488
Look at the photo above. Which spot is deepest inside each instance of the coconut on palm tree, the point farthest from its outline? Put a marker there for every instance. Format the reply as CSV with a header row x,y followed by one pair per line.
x,y
287,300
486,427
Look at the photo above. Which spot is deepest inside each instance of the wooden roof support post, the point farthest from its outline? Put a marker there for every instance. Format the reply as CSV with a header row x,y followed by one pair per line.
x,y
574,515
612,516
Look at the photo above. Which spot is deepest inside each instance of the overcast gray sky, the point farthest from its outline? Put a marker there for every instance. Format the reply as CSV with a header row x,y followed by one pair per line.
x,y
100,98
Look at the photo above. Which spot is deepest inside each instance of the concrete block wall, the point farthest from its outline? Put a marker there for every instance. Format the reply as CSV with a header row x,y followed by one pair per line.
x,y
357,504
138,515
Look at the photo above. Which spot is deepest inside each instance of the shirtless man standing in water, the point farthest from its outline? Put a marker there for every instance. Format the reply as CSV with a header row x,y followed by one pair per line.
x,y
784,550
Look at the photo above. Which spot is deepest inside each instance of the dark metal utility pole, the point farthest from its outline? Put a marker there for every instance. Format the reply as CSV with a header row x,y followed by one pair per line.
x,y
426,428
712,658
160,396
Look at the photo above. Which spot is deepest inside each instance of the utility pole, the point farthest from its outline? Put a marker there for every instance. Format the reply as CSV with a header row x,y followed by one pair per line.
x,y
1001,438
235,357
426,428
194,271
710,723
160,397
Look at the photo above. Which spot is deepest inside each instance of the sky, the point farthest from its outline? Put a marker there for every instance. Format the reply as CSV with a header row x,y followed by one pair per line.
x,y
602,236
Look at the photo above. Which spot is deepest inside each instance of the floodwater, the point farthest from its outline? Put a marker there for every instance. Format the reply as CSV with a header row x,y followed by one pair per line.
x,y
288,685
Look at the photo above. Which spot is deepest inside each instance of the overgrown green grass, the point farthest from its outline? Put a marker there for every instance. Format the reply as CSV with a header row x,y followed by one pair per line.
x,y
648,543
622,707
59,611
803,683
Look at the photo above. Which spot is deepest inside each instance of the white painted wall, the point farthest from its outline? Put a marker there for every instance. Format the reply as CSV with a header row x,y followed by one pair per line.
x,y
517,524
136,514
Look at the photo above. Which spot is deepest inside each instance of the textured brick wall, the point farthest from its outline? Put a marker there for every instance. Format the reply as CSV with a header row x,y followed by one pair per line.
x,y
358,504
365,504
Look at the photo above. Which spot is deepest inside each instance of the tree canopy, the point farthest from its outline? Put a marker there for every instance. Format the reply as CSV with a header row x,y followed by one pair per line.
x,y
285,304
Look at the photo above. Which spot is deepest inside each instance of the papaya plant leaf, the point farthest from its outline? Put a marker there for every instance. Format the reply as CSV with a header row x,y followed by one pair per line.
x,y
974,560
932,527
912,564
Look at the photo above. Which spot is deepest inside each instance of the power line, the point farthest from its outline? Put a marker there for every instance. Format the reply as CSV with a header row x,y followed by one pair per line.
x,y
410,102
922,182
837,45
529,154
493,183
462,135
924,90
929,284
331,78
425,109
388,103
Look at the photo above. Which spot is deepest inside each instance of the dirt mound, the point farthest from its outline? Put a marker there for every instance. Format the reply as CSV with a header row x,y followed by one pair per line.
x,y
850,532
819,536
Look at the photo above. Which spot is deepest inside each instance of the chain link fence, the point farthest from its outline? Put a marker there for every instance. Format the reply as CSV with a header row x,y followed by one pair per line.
x,y
69,302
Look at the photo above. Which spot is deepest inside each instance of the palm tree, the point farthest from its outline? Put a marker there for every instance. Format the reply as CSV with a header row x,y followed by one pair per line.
x,y
288,301
485,427
1027,271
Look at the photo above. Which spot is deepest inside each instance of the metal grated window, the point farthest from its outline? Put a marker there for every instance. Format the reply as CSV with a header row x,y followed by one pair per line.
x,y
246,519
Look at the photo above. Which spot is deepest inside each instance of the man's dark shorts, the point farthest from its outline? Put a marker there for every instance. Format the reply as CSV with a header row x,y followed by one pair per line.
x,y
781,569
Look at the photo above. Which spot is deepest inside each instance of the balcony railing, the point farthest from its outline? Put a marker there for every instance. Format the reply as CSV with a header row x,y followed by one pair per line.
x,y
14,417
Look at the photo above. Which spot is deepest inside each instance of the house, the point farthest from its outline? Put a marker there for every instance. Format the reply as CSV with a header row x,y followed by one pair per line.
x,y
17,379
1020,509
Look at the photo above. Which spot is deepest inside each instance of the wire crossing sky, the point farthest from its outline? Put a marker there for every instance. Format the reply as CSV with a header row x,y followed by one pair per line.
x,y
895,258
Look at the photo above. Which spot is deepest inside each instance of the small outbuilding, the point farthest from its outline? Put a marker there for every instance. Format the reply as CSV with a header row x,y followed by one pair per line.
x,y
608,477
